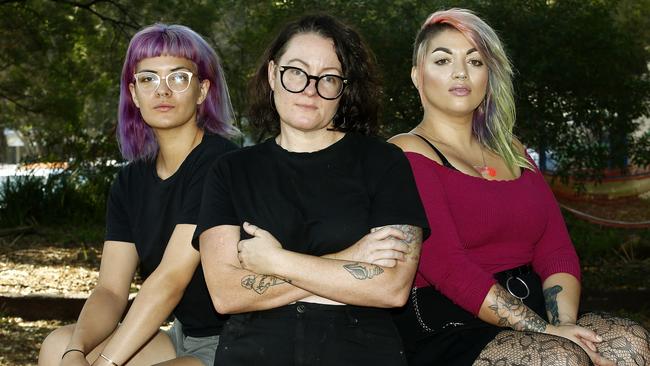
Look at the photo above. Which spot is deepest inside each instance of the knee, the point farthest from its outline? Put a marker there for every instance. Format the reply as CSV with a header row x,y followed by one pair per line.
x,y
637,340
528,348
54,344
568,353
562,351
622,338
554,351
637,331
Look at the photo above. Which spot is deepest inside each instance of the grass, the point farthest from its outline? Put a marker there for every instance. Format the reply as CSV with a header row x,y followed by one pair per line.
x,y
613,259
88,235
595,243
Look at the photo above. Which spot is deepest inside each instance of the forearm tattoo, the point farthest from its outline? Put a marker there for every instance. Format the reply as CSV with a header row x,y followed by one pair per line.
x,y
261,283
512,312
362,271
413,236
550,298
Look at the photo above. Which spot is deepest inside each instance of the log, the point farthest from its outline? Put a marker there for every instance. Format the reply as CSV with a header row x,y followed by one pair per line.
x,y
17,230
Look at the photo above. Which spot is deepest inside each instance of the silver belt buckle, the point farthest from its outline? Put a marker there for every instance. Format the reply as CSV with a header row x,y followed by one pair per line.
x,y
512,293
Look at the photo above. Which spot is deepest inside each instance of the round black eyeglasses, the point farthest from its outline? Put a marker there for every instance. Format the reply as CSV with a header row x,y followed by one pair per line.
x,y
328,86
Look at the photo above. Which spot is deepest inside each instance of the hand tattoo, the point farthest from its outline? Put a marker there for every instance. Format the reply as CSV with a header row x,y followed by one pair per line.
x,y
413,236
261,283
550,298
362,271
512,313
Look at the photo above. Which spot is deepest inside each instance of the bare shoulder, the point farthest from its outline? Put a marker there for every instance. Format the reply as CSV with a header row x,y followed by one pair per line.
x,y
518,145
403,140
409,142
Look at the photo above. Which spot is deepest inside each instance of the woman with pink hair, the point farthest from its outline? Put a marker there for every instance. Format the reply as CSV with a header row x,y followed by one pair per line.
x,y
498,281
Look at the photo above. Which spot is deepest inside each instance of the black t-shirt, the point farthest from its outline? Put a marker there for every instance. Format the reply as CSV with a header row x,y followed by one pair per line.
x,y
144,209
313,203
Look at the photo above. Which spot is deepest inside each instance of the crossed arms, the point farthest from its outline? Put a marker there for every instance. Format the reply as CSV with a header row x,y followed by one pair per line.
x,y
257,274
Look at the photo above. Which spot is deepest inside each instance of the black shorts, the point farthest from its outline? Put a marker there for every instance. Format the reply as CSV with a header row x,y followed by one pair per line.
x,y
311,334
456,337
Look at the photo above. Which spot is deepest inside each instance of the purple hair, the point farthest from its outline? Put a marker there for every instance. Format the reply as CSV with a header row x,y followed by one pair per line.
x,y
215,114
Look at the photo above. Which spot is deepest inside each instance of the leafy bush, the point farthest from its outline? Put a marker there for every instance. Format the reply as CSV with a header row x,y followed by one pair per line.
x,y
74,197
21,200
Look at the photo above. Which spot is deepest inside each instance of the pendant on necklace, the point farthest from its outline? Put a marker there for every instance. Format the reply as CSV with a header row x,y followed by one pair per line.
x,y
483,170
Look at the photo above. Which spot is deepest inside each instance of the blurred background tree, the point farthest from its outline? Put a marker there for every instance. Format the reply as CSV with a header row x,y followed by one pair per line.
x,y
582,79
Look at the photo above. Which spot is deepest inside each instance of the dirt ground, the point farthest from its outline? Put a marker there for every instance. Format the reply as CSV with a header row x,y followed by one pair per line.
x,y
20,340
28,266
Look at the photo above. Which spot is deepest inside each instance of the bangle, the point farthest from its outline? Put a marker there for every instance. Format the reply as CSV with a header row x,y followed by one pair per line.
x,y
108,359
73,350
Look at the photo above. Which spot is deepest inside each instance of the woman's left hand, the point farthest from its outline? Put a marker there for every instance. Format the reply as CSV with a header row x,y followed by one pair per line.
x,y
257,253
583,337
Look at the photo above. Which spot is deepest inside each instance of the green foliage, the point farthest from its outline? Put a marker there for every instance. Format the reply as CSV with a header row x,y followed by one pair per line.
x,y
639,151
76,196
582,76
595,243
21,198
88,238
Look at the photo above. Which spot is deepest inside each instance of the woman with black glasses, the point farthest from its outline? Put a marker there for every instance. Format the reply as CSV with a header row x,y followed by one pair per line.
x,y
308,235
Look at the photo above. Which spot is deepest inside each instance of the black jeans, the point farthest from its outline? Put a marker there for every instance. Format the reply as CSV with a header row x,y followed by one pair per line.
x,y
311,334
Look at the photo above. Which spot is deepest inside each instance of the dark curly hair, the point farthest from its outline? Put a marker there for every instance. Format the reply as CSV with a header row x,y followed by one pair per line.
x,y
359,104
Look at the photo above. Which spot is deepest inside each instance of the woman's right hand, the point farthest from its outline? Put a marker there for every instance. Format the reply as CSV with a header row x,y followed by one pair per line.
x,y
583,337
74,359
382,246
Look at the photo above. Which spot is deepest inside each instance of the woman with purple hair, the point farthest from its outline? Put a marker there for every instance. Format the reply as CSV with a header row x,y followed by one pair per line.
x,y
498,281
174,115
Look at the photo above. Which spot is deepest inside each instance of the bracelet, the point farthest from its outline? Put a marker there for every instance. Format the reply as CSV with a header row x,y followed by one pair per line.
x,y
108,359
73,350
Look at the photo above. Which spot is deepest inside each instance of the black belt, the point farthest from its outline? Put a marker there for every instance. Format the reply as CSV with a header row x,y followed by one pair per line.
x,y
513,280
328,311
514,272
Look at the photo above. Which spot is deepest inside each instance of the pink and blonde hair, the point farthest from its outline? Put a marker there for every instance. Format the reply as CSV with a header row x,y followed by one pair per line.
x,y
494,119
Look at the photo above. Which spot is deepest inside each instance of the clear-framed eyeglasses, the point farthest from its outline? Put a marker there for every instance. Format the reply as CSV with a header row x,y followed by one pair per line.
x,y
328,86
177,81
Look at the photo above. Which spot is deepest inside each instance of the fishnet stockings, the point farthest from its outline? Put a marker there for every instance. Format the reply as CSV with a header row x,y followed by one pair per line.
x,y
514,348
624,341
